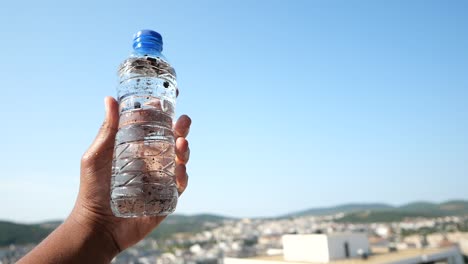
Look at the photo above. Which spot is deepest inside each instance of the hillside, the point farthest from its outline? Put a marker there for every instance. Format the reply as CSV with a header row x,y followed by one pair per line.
x,y
346,208
455,207
186,224
13,233
384,216
411,210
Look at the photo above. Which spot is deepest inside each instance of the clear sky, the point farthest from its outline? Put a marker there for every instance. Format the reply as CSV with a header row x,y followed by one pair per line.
x,y
295,104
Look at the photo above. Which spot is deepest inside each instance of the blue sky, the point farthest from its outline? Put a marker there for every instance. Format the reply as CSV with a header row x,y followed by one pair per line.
x,y
294,104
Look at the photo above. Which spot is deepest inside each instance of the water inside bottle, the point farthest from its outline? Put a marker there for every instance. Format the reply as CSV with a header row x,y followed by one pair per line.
x,y
144,157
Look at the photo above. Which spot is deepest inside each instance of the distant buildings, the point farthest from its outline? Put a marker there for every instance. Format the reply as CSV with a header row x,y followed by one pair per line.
x,y
316,239
348,248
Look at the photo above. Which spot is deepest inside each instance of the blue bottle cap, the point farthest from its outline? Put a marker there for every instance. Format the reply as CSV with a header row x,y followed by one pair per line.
x,y
147,41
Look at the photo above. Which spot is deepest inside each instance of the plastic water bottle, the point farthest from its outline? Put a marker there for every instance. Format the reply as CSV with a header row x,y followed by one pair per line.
x,y
143,180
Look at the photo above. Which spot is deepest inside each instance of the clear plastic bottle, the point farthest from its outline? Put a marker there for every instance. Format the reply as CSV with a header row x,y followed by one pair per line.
x,y
143,167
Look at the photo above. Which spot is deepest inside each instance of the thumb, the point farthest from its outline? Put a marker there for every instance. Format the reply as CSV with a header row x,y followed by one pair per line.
x,y
99,154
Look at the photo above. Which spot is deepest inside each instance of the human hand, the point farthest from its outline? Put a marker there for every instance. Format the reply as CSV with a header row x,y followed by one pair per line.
x,y
92,234
92,208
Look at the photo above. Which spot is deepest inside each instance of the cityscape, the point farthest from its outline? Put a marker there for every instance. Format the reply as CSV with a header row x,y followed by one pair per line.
x,y
315,131
227,240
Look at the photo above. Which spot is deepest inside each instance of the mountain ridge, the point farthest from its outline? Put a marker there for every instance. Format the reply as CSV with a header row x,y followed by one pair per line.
x,y
19,233
457,206
449,205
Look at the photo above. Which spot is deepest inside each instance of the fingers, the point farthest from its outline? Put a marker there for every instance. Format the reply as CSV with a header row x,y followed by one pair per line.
x,y
182,126
100,152
182,151
181,178
181,130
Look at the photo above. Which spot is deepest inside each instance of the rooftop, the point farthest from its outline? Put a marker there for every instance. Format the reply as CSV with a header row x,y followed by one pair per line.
x,y
374,259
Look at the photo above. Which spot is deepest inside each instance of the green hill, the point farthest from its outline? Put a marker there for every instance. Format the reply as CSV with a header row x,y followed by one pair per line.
x,y
411,210
378,210
186,224
419,206
384,216
13,233
455,206
346,208
18,234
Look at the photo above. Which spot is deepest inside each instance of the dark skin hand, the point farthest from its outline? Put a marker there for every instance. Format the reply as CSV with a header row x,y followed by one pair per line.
x,y
92,234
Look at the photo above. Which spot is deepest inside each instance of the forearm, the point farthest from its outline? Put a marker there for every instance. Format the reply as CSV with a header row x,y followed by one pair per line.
x,y
72,243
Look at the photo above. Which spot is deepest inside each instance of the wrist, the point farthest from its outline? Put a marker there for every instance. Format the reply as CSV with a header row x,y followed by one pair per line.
x,y
95,239
73,242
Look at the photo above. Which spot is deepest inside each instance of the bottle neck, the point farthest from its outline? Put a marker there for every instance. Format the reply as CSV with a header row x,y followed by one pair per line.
x,y
142,52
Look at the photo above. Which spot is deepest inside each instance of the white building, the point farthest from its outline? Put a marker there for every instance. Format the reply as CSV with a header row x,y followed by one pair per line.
x,y
346,248
324,247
